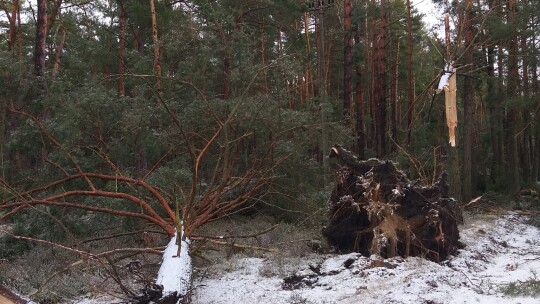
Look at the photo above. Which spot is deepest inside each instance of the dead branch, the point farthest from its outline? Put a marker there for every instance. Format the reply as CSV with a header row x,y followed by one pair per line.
x,y
239,236
238,246
108,237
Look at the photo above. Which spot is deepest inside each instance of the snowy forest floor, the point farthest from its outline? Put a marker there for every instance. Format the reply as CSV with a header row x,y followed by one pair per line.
x,y
500,264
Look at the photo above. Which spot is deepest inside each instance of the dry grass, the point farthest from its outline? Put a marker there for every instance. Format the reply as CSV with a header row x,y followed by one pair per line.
x,y
28,272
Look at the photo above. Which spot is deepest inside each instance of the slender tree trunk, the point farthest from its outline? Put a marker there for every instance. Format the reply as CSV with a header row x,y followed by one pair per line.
x,y
309,73
468,109
3,125
512,114
227,63
19,31
527,145
266,88
41,40
492,101
53,14
347,66
394,98
410,89
58,50
536,152
12,22
155,40
380,85
359,92
121,86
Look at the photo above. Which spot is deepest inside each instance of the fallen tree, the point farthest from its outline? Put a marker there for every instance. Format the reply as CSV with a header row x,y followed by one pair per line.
x,y
229,189
375,209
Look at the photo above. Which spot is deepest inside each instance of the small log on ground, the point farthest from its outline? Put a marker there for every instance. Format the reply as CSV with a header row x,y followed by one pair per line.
x,y
375,209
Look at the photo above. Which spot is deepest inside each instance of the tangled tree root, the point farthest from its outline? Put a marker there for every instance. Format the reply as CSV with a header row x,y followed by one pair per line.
x,y
375,209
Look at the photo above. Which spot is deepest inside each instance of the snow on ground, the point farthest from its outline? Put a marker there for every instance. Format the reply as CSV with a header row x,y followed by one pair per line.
x,y
499,251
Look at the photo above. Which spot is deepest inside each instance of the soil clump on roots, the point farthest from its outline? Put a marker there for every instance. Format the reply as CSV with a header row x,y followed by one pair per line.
x,y
375,209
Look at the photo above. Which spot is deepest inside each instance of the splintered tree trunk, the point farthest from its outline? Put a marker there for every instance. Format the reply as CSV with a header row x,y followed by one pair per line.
x,y
375,209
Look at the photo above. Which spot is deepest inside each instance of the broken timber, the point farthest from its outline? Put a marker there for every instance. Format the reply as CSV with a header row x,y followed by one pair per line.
x,y
375,209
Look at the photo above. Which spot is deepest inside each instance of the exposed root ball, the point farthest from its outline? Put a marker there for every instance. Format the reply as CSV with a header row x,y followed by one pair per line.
x,y
375,209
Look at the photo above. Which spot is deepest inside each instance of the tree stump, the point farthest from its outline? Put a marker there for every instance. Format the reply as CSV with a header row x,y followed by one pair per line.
x,y
375,209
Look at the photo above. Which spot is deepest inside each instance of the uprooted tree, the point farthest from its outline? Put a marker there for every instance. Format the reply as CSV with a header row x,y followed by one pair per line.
x,y
230,187
375,209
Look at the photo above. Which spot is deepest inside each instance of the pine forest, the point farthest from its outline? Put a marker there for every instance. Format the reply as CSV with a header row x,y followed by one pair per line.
x,y
226,127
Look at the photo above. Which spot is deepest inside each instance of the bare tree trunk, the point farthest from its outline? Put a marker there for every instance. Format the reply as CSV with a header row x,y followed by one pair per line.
x,y
3,125
121,86
266,88
410,89
53,14
527,145
58,50
227,62
380,85
394,98
12,21
536,151
512,115
155,40
468,109
309,74
347,65
41,40
359,92
19,31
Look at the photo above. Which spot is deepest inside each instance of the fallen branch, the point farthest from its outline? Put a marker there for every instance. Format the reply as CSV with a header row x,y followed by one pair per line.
x,y
237,237
239,246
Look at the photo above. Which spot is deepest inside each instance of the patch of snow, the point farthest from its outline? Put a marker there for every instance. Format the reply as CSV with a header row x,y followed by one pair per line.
x,y
499,251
